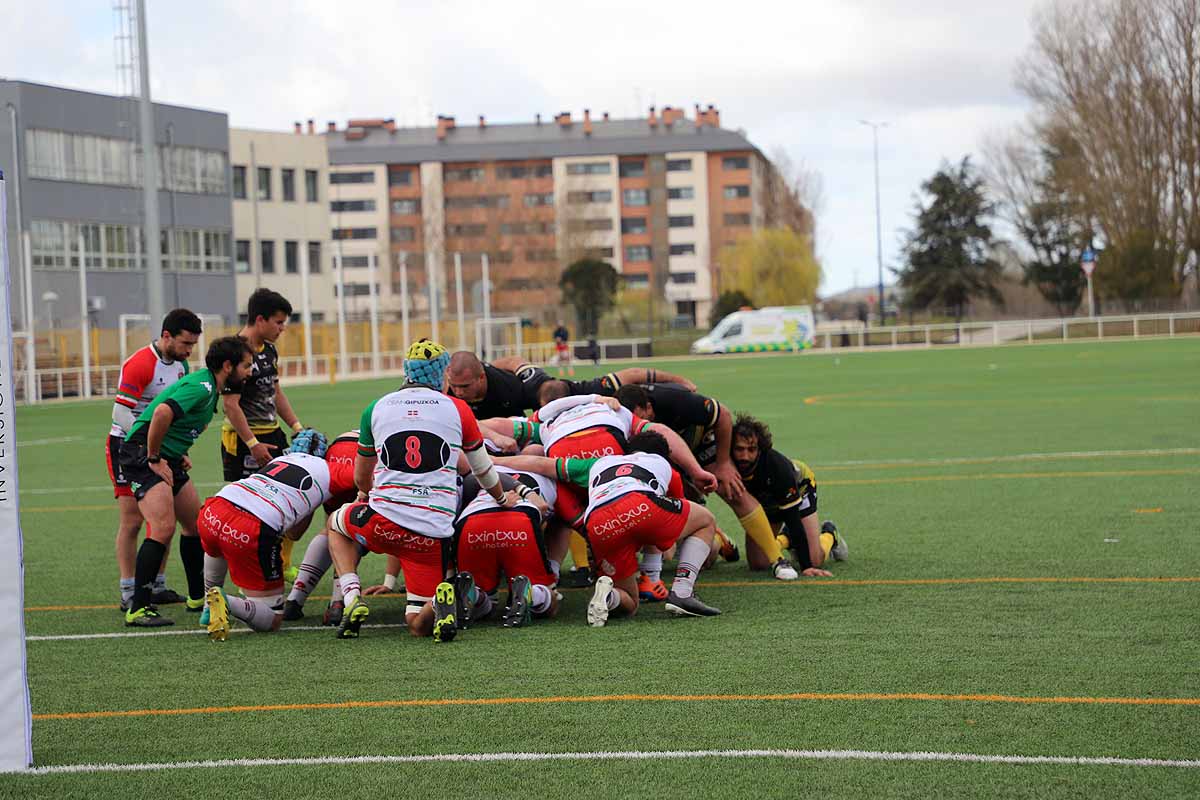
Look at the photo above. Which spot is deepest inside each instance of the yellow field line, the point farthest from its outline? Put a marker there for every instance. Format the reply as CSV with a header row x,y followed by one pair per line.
x,y
634,698
1001,476
1148,510
814,583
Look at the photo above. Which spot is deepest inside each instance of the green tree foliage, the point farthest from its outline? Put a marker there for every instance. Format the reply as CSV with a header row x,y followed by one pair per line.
x,y
948,253
590,286
774,267
728,303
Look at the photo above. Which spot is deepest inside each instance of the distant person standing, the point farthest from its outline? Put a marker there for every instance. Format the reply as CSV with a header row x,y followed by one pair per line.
x,y
562,349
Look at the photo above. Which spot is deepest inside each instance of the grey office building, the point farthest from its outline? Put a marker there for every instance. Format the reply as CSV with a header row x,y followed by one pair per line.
x,y
72,167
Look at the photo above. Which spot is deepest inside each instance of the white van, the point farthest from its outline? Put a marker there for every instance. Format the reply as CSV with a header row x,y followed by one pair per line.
x,y
776,328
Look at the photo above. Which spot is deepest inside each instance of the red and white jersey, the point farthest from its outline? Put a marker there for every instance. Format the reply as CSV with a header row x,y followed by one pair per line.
x,y
417,434
143,375
283,492
569,415
539,483
340,457
613,476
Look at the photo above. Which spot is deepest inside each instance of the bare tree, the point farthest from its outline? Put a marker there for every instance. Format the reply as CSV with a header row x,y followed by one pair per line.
x,y
793,194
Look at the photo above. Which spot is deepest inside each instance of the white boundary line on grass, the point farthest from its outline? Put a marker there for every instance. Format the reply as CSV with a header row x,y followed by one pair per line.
x,y
627,755
67,637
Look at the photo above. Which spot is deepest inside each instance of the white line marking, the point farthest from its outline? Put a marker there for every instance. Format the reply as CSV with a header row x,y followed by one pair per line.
x,y
627,755
68,637
105,488
55,440
1174,451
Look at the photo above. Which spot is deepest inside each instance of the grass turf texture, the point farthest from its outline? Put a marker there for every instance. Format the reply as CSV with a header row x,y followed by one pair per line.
x,y
984,518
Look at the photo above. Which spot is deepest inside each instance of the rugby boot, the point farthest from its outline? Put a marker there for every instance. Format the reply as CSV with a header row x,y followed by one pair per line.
x,y
689,607
651,591
195,606
292,611
464,599
218,615
840,551
147,617
445,624
784,570
597,609
333,613
204,617
352,619
577,578
729,550
165,597
520,603
290,574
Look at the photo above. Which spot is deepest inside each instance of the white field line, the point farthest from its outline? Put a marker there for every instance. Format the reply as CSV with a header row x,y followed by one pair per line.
x,y
627,755
1174,451
69,637
55,440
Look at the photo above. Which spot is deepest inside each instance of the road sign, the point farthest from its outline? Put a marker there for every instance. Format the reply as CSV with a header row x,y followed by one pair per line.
x,y
1088,261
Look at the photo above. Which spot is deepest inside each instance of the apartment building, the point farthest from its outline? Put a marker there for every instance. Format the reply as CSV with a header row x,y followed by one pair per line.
x,y
281,218
73,171
657,197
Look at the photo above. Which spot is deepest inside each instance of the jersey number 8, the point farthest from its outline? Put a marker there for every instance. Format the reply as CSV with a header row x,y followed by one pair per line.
x,y
415,452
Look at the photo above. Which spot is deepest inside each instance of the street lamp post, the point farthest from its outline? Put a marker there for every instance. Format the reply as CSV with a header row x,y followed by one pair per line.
x,y
875,126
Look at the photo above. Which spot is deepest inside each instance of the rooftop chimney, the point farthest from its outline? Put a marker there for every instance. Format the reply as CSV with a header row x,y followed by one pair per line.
x,y
311,128
653,118
537,118
444,126
671,115
482,122
606,116
298,127
331,126
389,124
587,122
563,118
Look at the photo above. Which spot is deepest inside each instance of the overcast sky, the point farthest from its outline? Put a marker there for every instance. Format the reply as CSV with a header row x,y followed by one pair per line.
x,y
795,76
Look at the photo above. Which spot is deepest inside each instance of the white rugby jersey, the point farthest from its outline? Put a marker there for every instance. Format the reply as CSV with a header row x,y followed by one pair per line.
x,y
613,476
578,414
543,485
283,492
143,375
417,434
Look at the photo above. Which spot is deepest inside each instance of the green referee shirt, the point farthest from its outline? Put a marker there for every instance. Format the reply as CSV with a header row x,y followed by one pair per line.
x,y
193,399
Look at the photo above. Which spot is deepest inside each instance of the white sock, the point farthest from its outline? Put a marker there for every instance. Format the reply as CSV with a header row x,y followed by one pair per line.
x,y
337,597
351,588
554,569
160,582
312,569
652,563
215,570
692,553
127,585
541,598
255,613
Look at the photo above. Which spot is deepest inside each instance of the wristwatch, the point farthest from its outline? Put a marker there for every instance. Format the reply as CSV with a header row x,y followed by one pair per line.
x,y
153,459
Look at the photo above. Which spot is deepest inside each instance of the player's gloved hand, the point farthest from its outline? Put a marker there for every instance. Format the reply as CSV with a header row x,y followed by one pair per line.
x,y
705,481
815,572
729,482
163,470
262,452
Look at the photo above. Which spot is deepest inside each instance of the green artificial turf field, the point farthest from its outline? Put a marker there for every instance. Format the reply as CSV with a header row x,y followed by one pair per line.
x,y
1022,524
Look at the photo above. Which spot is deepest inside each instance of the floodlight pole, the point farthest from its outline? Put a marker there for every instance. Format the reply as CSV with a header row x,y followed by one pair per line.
x,y
875,126
154,277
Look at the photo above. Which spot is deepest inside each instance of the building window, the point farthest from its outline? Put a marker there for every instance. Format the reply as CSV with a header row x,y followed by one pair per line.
x,y
637,252
598,252
679,165
601,196
735,162
636,197
55,245
737,219
341,206
399,177
584,225
683,221
521,171
351,177
683,249
263,183
410,206
681,193
590,168
239,182
287,179
632,169
464,174
266,252
633,224
314,257
502,257
404,233
241,261
539,199
466,230
478,201
683,277
526,228
636,281
734,192
310,186
291,257
540,255
356,289
354,233
356,262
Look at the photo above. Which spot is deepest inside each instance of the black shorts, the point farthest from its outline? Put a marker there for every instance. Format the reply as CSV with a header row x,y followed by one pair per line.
x,y
142,479
236,466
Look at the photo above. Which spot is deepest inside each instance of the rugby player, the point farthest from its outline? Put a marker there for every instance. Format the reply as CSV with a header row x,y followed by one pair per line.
x,y
707,426
506,388
562,349
154,458
635,500
143,375
408,448
608,385
784,492
243,526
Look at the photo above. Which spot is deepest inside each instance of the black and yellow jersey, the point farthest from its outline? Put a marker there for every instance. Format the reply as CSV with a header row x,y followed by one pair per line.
x,y
786,489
